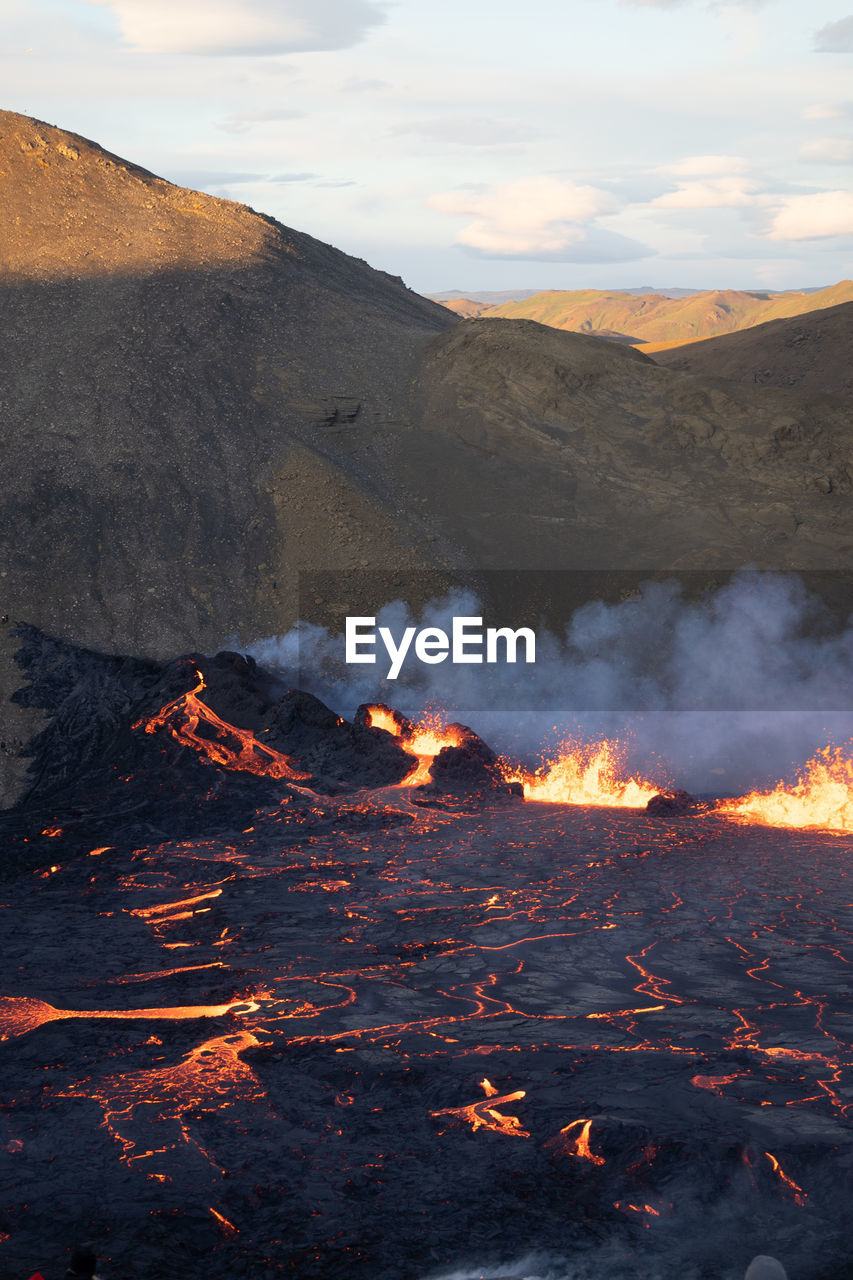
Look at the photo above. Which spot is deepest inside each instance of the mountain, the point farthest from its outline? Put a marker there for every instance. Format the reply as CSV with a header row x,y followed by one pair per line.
x,y
489,297
177,374
810,352
494,297
465,308
202,408
661,321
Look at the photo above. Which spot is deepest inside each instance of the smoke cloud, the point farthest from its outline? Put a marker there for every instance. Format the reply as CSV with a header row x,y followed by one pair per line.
x,y
718,695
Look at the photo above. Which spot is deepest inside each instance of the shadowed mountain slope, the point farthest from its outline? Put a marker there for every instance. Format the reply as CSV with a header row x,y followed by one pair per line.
x,y
199,403
811,353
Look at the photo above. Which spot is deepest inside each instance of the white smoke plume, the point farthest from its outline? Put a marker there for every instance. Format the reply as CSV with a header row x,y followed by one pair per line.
x,y
716,695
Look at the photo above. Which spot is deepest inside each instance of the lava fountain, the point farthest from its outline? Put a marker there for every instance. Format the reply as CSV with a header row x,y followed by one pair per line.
x,y
422,741
584,775
822,797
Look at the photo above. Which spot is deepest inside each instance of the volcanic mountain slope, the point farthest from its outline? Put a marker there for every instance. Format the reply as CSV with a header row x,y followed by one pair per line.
x,y
466,308
811,353
171,367
199,403
662,321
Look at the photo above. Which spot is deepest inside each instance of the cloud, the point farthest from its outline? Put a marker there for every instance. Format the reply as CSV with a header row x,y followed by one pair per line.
x,y
291,177
829,111
705,166
243,26
528,217
709,193
245,120
466,131
709,4
828,151
835,37
540,218
813,217
355,84
199,179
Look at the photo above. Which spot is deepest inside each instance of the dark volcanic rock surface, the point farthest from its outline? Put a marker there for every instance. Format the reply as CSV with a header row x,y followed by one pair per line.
x,y
95,769
468,771
396,1053
250,1030
677,801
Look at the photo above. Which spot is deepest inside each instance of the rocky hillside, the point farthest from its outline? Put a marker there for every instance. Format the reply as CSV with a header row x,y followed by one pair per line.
x,y
811,353
198,404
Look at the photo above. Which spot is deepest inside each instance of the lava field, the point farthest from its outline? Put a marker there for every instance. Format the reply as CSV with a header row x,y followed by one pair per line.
x,y
302,1020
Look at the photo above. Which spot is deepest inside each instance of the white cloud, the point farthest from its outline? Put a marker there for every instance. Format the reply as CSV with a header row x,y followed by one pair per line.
x,y
709,193
541,218
200,179
466,131
814,217
828,111
835,37
710,4
246,120
828,151
524,218
243,26
705,166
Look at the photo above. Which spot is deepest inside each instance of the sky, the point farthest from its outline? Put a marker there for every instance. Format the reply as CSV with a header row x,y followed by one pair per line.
x,y
481,144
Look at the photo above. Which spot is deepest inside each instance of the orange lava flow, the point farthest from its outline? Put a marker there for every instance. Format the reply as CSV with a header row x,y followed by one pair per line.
x,y
798,1194
209,1075
231,747
20,1014
584,775
647,1210
714,1083
484,1114
429,736
227,1226
581,1147
822,797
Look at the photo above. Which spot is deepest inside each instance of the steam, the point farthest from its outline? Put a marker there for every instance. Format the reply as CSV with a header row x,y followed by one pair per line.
x,y
717,695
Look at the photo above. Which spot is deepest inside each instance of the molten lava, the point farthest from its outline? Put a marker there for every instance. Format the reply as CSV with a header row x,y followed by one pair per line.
x,y
580,1146
576,775
207,1076
229,746
822,796
423,741
797,1193
20,1014
584,775
485,1115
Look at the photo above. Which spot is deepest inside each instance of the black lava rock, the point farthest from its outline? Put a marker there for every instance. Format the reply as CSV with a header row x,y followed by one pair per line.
x,y
671,802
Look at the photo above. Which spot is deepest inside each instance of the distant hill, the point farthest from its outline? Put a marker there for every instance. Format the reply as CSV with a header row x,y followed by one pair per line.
x,y
494,297
659,321
490,297
811,352
465,308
